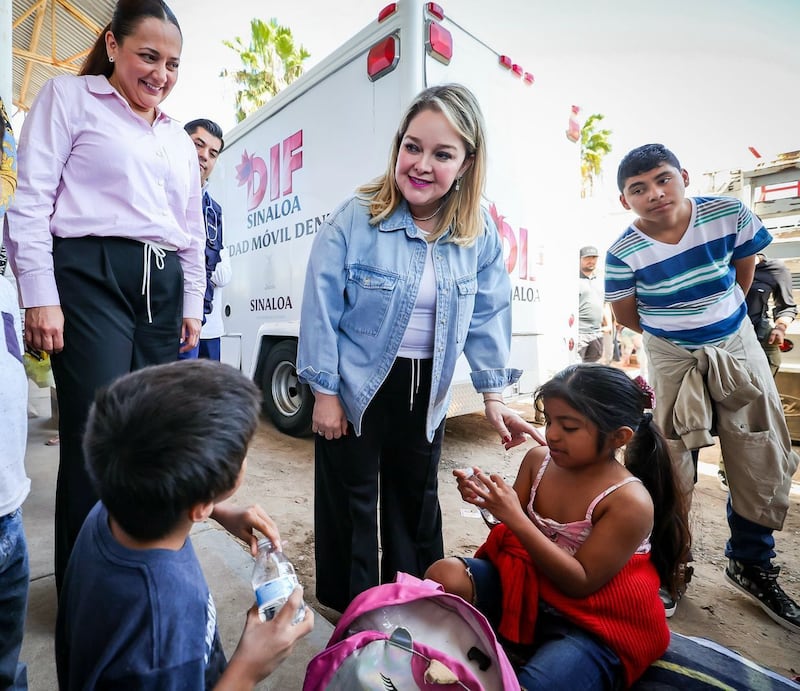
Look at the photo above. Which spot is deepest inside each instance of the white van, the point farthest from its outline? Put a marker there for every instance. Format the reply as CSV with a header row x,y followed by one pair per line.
x,y
288,165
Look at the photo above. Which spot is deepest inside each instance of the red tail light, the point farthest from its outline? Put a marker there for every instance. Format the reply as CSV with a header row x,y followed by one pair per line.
x,y
435,10
440,43
382,57
387,11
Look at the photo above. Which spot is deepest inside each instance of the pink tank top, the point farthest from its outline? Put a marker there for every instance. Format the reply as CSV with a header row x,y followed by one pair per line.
x,y
570,536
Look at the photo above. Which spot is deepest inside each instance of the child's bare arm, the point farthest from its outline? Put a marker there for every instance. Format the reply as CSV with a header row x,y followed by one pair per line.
x,y
745,269
619,528
264,645
625,313
527,473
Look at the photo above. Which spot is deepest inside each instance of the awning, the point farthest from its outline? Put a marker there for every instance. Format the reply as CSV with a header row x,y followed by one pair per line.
x,y
52,37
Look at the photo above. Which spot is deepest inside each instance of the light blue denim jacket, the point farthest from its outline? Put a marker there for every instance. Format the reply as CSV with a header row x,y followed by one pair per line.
x,y
361,287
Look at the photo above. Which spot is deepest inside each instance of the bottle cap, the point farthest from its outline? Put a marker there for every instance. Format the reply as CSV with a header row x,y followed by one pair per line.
x,y
264,543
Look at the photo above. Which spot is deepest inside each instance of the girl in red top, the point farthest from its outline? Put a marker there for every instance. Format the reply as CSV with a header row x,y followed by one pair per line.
x,y
572,572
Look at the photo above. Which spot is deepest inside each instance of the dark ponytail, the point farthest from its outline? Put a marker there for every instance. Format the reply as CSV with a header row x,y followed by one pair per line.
x,y
126,17
647,457
97,60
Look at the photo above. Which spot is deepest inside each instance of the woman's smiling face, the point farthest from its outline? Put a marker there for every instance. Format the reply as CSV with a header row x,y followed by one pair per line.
x,y
432,155
145,64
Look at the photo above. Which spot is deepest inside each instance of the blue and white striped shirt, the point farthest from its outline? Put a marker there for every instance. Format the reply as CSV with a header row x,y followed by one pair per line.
x,y
687,292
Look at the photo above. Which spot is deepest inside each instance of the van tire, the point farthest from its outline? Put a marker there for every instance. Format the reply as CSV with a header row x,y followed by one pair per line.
x,y
286,401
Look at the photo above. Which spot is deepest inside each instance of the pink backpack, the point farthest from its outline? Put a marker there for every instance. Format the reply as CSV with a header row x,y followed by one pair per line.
x,y
410,634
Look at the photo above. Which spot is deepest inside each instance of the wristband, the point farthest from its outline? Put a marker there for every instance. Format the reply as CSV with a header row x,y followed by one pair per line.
x,y
492,400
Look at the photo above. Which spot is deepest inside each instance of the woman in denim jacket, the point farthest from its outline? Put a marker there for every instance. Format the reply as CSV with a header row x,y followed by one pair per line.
x,y
402,278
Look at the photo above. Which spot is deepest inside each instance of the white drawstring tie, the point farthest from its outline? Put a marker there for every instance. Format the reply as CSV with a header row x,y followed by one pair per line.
x,y
415,370
149,250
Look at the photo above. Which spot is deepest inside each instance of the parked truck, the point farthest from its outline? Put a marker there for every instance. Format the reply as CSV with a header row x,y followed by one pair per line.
x,y
288,165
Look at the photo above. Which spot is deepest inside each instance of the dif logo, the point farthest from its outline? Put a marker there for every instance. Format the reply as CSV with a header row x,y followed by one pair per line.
x,y
517,257
285,158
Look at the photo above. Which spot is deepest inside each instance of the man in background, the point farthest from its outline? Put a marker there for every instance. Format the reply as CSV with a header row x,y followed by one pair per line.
x,y
594,315
771,280
207,137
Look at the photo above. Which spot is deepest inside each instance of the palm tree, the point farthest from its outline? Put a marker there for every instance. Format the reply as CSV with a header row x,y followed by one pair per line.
x,y
270,63
595,146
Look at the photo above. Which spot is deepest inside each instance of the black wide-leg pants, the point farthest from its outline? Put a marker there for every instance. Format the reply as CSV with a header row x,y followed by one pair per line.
x,y
391,460
107,333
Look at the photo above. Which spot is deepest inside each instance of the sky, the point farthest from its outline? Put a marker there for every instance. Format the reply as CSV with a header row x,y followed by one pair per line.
x,y
707,78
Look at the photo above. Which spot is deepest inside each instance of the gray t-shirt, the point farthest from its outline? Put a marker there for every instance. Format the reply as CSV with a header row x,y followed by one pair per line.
x,y
590,305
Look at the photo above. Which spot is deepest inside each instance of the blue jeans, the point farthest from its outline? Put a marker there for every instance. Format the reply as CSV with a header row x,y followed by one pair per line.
x,y
563,655
209,348
192,354
206,348
750,543
14,575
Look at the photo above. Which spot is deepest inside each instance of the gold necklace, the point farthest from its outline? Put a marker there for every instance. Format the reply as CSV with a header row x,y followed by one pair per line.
x,y
427,218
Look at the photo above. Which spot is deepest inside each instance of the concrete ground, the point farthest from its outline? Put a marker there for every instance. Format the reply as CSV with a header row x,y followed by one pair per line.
x,y
226,564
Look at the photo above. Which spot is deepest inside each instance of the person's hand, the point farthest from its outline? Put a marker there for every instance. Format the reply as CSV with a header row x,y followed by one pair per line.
x,y
465,484
265,644
328,419
777,336
489,492
44,328
190,334
242,523
509,424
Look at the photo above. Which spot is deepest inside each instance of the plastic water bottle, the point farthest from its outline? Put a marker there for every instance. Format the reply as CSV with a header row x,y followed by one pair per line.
x,y
488,517
273,581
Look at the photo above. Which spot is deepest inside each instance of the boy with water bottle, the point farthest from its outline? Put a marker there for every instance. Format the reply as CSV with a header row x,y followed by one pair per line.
x,y
165,447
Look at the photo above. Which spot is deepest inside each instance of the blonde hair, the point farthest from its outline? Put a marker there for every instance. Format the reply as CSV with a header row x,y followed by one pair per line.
x,y
462,207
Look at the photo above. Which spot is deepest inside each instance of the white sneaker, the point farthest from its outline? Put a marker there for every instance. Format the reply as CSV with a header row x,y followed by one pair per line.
x,y
670,603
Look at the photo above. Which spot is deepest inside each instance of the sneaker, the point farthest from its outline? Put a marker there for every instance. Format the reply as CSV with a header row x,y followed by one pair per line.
x,y
762,585
723,479
670,603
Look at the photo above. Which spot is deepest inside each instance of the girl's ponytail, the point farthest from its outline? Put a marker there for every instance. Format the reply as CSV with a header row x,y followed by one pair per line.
x,y
647,457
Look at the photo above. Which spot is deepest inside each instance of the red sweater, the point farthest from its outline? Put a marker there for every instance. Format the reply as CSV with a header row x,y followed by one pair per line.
x,y
626,613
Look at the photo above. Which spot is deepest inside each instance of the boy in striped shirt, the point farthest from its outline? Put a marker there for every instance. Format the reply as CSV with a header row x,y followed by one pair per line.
x,y
679,274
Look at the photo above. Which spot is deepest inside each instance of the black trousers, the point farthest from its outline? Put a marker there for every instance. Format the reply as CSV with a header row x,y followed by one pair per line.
x,y
393,460
106,334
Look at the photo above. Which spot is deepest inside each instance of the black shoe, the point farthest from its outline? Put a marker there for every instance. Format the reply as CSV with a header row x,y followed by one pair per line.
x,y
762,585
723,479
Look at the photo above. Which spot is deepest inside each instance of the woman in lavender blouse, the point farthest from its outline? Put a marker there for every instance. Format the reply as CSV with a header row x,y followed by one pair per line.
x,y
106,235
